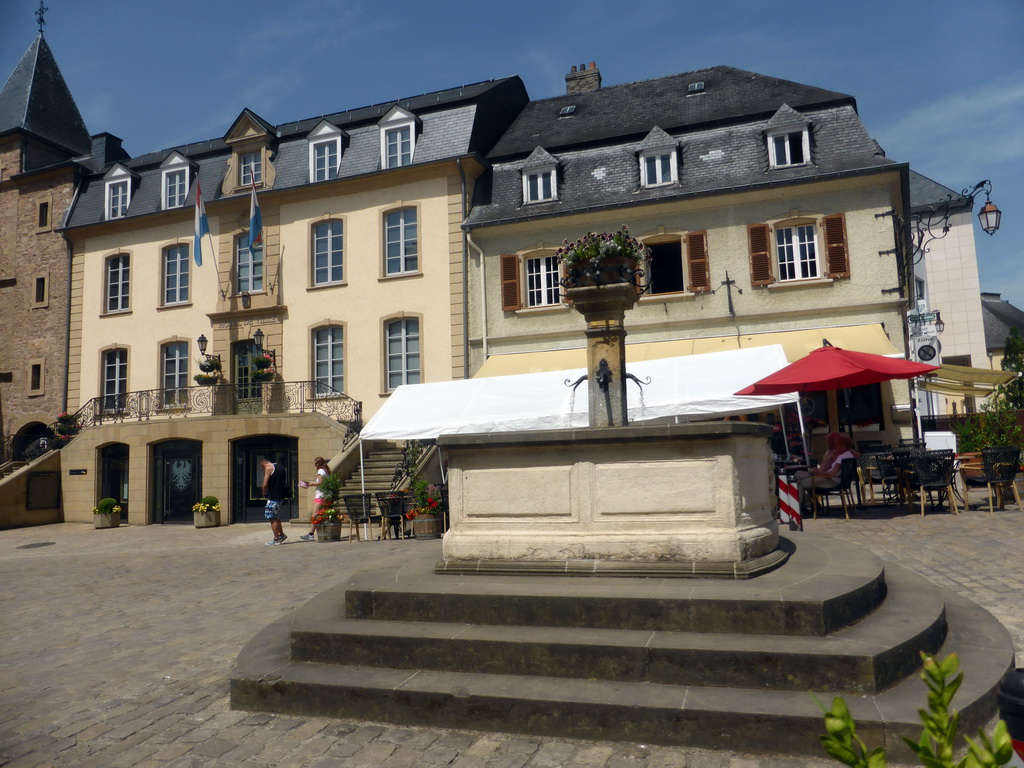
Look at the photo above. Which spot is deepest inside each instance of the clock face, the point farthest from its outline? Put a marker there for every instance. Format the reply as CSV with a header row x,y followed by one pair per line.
x,y
926,352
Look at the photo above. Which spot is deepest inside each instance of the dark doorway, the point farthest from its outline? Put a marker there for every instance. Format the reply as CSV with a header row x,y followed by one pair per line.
x,y
31,441
249,392
247,479
177,480
114,475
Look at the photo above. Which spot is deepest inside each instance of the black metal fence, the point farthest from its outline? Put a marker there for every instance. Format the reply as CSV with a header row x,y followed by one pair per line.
x,y
277,397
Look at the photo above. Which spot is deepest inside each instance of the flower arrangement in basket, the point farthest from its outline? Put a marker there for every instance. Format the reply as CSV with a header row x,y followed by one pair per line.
x,y
67,425
107,506
260,361
261,375
603,257
330,498
426,500
207,505
210,365
207,379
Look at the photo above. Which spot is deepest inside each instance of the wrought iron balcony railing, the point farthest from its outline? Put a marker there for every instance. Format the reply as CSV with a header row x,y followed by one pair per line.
x,y
276,397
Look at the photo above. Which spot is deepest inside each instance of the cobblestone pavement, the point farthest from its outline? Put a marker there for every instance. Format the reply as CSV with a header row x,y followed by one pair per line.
x,y
115,646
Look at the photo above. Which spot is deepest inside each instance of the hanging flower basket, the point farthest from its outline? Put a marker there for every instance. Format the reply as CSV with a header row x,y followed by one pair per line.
x,y
600,258
209,366
67,429
206,379
263,376
261,362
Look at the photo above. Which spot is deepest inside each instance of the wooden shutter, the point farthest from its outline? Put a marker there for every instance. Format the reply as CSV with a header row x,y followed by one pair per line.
x,y
837,255
761,272
697,260
510,300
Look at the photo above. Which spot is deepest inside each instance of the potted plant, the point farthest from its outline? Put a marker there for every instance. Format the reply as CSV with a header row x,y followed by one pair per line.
x,y
207,379
262,375
327,519
427,520
67,425
260,361
600,258
209,365
106,514
206,512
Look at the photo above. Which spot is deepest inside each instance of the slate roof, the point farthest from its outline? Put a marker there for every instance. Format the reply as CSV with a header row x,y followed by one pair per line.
x,y
999,316
924,191
720,132
36,100
454,123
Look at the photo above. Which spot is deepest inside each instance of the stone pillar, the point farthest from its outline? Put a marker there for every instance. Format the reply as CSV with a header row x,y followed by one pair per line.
x,y
603,308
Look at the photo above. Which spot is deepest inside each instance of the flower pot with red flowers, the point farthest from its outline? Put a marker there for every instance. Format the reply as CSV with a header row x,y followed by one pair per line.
x,y
261,362
262,376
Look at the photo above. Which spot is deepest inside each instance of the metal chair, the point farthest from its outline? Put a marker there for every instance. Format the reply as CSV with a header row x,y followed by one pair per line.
x,y
933,471
847,474
392,506
889,477
868,473
358,507
999,469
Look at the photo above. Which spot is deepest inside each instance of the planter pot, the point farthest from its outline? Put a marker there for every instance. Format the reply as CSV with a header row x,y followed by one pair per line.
x,y
206,381
329,530
428,526
261,377
614,269
106,521
205,519
208,366
261,364
67,430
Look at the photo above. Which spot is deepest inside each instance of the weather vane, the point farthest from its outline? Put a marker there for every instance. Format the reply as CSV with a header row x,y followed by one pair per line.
x,y
41,16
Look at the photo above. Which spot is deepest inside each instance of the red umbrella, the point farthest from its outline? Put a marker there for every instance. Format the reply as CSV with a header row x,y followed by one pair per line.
x,y
835,368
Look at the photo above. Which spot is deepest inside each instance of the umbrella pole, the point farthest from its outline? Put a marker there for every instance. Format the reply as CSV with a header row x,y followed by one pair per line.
x,y
785,437
803,432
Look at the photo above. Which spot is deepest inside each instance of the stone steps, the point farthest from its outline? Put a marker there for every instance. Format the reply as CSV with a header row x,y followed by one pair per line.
x,y
833,630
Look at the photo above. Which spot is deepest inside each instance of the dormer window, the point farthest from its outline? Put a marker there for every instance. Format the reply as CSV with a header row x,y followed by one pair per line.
x,y
174,181
540,177
251,169
325,152
659,164
397,138
118,192
789,149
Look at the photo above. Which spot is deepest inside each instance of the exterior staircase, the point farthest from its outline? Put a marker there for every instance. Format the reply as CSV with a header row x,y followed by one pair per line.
x,y
706,663
10,467
379,462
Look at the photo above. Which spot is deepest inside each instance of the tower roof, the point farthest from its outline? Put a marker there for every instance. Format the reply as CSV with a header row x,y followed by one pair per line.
x,y
37,100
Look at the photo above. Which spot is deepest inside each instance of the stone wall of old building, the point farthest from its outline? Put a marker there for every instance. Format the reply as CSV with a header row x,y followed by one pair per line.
x,y
33,289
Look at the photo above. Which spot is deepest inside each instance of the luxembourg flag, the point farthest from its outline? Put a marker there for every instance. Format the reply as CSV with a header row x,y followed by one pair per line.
x,y
202,227
255,224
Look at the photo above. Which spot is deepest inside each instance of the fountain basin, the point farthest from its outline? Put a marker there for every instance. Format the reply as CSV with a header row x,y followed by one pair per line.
x,y
665,500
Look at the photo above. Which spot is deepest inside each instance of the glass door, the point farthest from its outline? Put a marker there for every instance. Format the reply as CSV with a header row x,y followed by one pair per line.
x,y
248,392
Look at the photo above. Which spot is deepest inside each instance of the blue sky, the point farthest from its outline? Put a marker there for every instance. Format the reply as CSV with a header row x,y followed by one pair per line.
x,y
940,85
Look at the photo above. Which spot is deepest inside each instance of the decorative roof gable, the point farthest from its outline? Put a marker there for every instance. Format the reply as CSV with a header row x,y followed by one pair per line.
x,y
539,157
326,130
656,139
249,126
787,119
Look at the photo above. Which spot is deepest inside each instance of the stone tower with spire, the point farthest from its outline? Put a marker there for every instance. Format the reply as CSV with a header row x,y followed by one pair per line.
x,y
43,143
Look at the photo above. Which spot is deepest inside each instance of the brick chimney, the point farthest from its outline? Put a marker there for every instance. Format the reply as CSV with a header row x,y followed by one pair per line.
x,y
583,80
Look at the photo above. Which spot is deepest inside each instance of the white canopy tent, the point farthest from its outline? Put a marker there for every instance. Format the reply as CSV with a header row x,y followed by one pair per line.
x,y
683,387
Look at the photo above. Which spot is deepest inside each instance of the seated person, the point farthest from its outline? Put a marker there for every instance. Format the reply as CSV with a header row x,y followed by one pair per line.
x,y
827,475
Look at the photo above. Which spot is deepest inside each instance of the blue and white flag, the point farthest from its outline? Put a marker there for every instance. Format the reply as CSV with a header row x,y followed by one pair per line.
x,y
255,224
202,227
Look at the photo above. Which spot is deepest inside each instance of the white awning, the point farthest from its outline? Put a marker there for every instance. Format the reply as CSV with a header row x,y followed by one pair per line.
x,y
689,387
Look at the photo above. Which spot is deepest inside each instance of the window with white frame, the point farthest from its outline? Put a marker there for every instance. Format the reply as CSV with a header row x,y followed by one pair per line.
x,y
542,289
403,352
251,169
174,374
797,252
328,253
401,244
248,266
791,148
540,185
329,360
324,159
115,379
657,168
117,283
117,198
176,275
398,146
175,187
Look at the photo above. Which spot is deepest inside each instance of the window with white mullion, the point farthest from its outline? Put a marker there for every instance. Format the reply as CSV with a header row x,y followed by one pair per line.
x,y
118,273
251,169
117,199
398,146
328,253
248,266
658,168
403,352
401,242
115,379
329,360
789,149
539,185
175,374
176,275
175,188
797,252
325,160
542,281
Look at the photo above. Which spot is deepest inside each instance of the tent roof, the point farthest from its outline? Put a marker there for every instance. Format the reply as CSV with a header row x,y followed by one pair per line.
x,y
691,386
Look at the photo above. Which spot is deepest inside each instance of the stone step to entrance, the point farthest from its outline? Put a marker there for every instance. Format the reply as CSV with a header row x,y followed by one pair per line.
x,y
871,655
537,685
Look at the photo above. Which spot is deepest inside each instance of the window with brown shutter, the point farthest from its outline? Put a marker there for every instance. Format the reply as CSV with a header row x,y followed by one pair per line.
x,y
761,272
836,252
700,269
510,299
